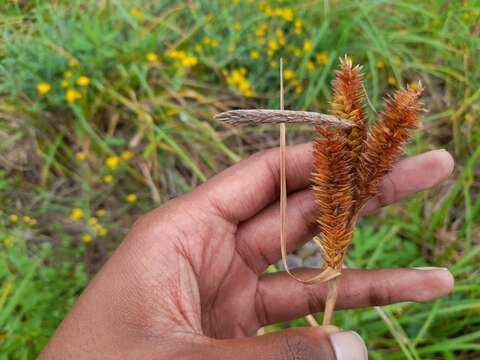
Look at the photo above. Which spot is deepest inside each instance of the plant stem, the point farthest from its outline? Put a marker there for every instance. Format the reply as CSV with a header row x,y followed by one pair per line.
x,y
330,302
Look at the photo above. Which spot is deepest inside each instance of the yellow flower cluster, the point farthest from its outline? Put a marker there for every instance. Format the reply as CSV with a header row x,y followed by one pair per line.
x,y
285,13
83,81
184,59
209,41
237,78
92,221
26,219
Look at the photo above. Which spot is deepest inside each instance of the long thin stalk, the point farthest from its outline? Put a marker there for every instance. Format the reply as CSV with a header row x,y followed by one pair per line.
x,y
330,301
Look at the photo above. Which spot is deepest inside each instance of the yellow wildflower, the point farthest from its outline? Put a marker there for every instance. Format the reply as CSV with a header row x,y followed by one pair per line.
x,y
299,89
237,26
112,162
151,57
76,214
83,80
322,58
101,212
207,40
311,65
468,117
214,43
64,83
33,221
307,46
8,242
127,155
81,155
68,74
71,95
261,30
73,63
380,64
273,44
13,218
92,220
274,63
101,230
189,61
288,74
286,13
138,14
391,80
297,52
87,238
254,54
198,47
107,179
397,60
43,88
27,219
231,48
131,198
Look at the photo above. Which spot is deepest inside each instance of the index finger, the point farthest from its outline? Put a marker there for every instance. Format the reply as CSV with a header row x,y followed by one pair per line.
x,y
244,189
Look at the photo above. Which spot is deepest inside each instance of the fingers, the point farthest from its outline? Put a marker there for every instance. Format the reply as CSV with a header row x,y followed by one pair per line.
x,y
258,238
325,342
281,298
244,189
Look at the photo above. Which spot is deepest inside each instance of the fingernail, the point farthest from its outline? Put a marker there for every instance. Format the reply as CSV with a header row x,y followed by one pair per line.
x,y
348,345
430,268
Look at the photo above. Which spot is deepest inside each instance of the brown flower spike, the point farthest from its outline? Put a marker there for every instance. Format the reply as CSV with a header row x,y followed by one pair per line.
x,y
349,165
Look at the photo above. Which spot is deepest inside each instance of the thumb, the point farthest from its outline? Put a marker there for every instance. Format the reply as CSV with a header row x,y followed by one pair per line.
x,y
324,342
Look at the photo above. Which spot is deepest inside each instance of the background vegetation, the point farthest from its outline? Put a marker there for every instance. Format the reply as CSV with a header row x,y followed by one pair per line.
x,y
106,111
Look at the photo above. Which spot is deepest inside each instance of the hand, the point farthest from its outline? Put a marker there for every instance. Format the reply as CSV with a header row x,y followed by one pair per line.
x,y
187,282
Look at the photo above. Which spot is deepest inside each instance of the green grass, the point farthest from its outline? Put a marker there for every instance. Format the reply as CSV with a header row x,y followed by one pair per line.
x,y
162,112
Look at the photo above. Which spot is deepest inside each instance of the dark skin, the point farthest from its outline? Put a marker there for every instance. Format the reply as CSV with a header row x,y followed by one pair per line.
x,y
187,280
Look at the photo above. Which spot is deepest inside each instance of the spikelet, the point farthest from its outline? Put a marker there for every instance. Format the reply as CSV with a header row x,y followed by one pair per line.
x,y
386,139
348,103
332,186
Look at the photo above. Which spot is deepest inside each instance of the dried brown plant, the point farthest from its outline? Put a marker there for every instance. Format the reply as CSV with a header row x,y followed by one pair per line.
x,y
332,181
350,164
